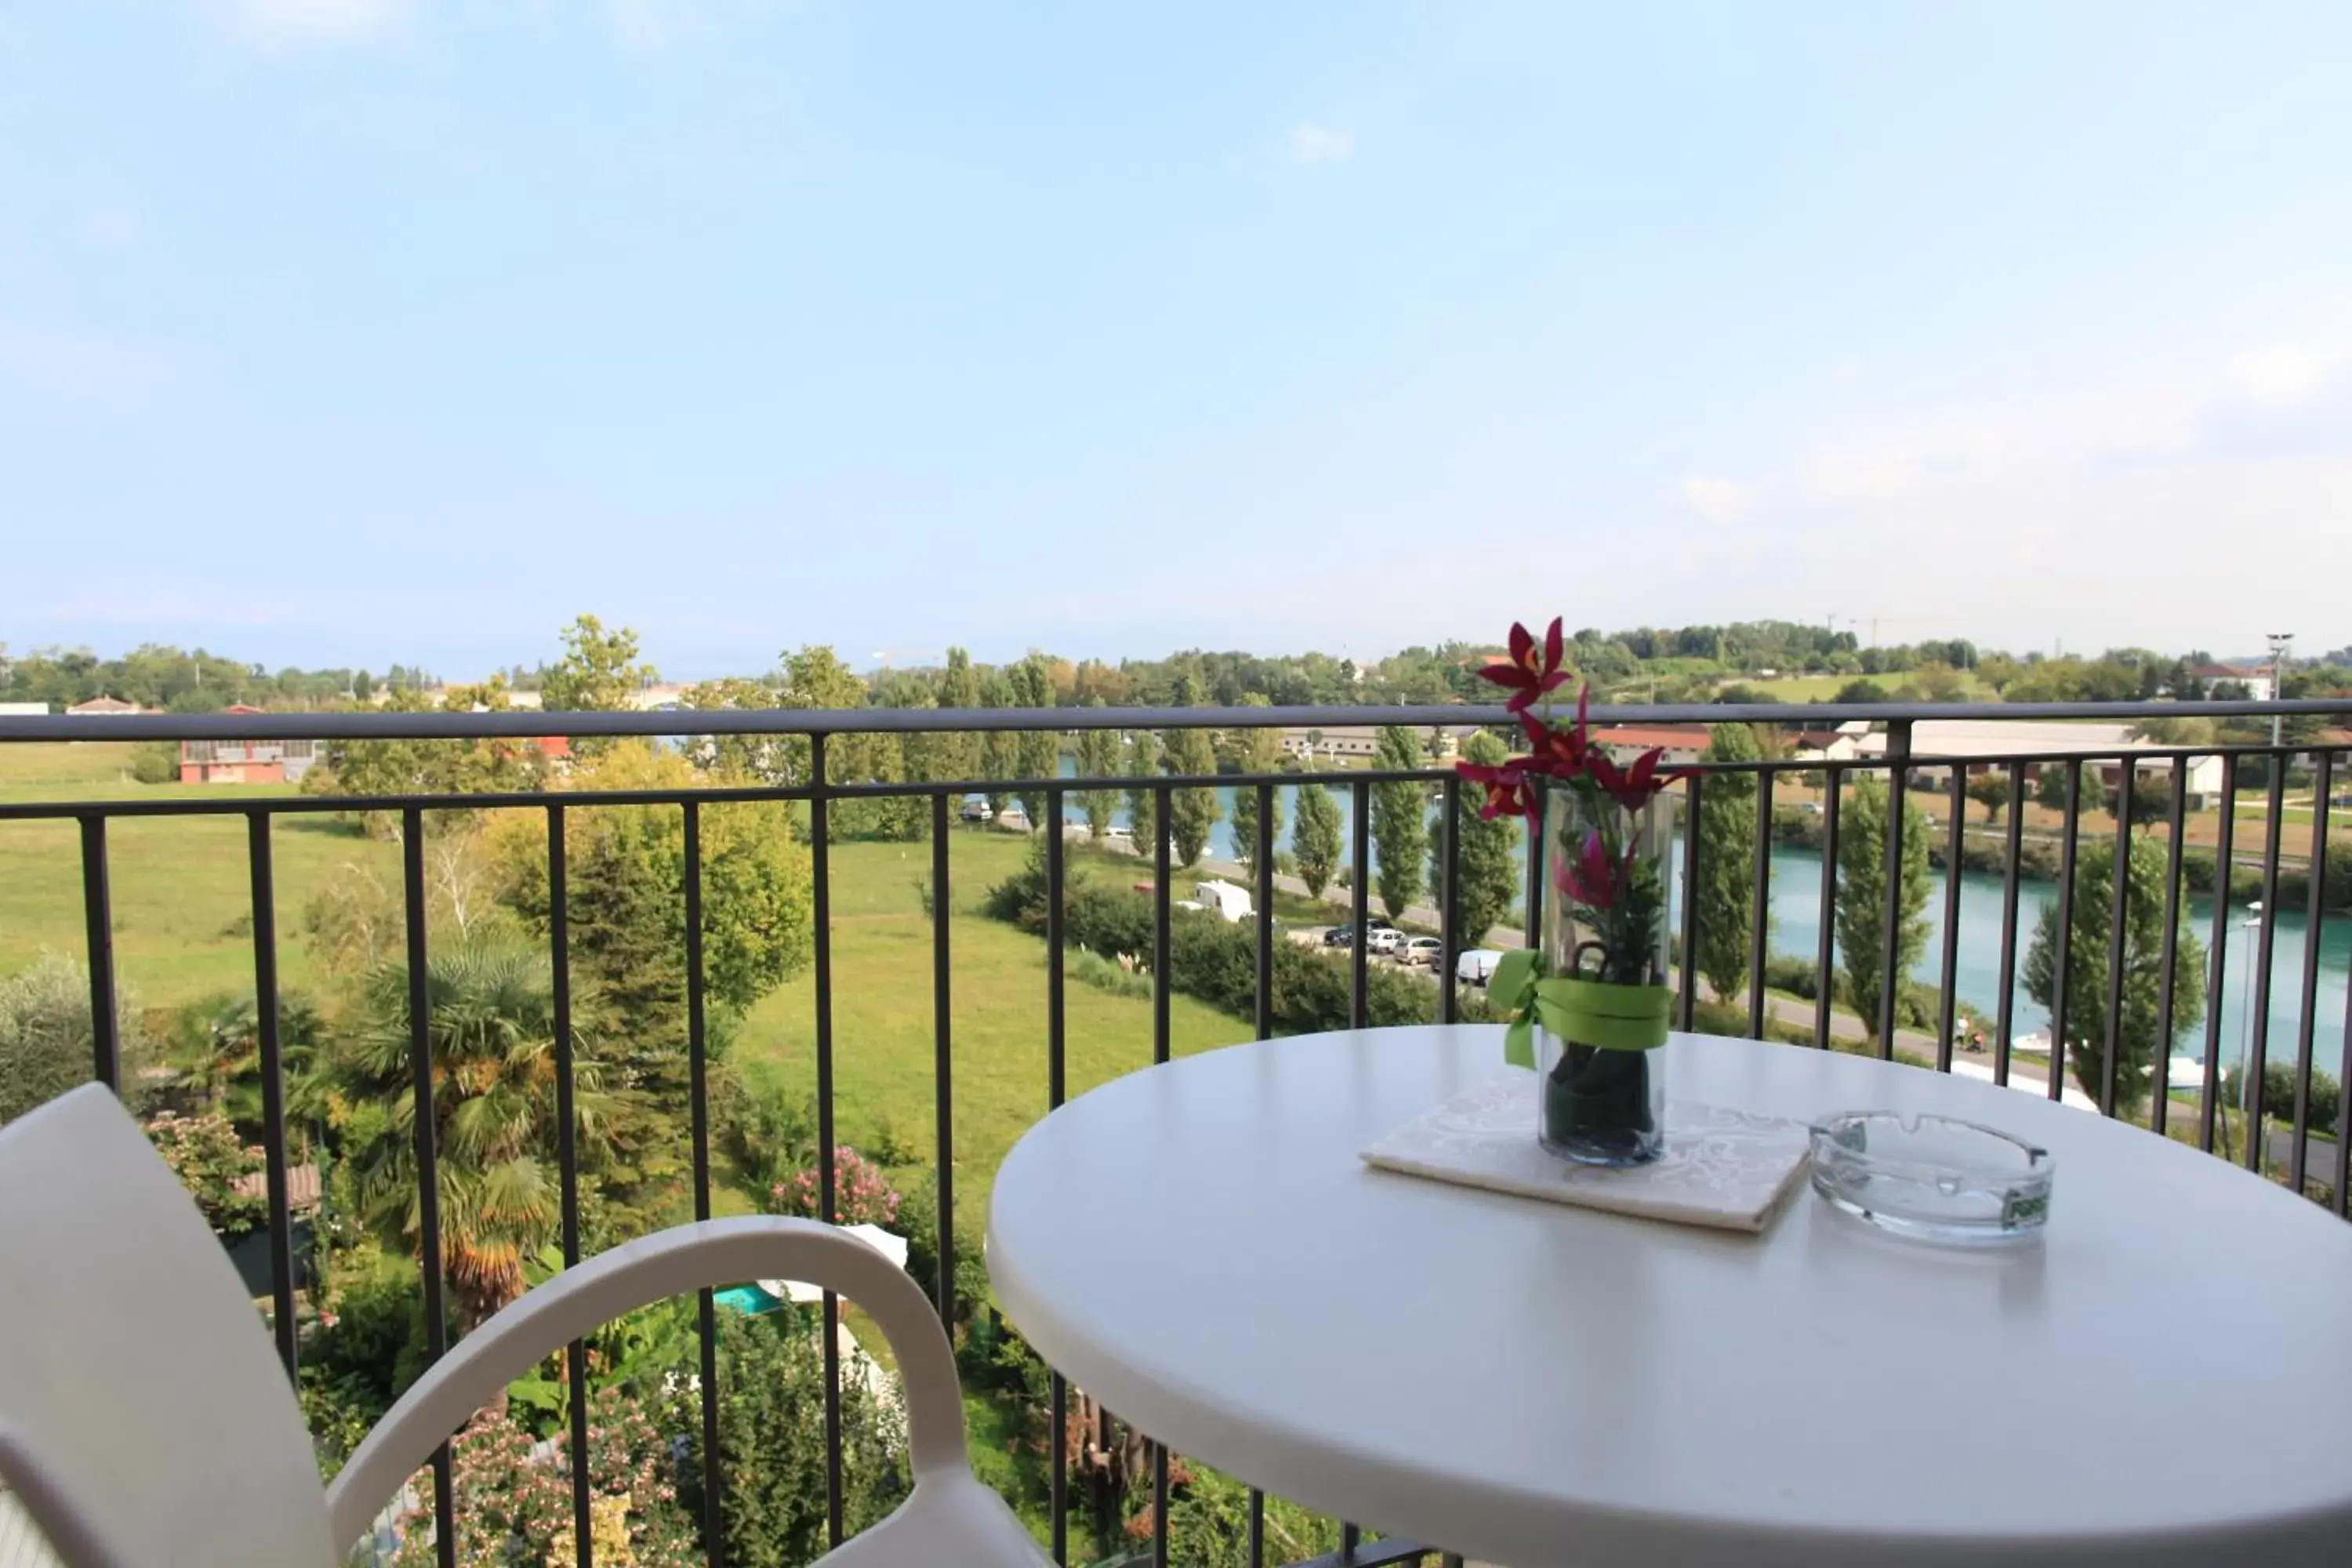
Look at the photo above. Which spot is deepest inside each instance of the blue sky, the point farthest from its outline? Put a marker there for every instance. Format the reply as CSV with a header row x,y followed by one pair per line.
x,y
355,330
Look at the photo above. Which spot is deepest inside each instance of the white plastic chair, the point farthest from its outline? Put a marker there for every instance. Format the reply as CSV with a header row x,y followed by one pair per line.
x,y
145,1420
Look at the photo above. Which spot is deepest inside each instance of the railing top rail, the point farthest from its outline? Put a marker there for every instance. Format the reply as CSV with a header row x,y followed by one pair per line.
x,y
527,724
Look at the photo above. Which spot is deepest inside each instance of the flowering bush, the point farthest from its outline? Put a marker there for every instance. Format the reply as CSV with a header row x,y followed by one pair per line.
x,y
208,1157
512,1496
861,1193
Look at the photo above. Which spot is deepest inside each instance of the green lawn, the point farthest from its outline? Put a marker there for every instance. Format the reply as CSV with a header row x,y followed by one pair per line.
x,y
183,903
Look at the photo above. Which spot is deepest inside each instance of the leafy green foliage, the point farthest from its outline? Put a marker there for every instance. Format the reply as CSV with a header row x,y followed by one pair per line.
x,y
1315,844
1192,813
1488,850
1143,759
1254,750
210,1159
491,1039
1036,753
46,1043
1399,822
1989,789
1726,861
2085,1026
1862,894
598,672
772,1444
1100,755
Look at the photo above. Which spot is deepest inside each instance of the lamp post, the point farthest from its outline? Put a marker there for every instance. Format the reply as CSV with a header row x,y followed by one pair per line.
x,y
2280,642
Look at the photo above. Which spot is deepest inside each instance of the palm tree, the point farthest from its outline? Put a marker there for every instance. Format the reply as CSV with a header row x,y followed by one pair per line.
x,y
492,1034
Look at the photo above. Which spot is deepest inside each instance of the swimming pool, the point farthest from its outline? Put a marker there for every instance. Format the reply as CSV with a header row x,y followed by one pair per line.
x,y
748,1300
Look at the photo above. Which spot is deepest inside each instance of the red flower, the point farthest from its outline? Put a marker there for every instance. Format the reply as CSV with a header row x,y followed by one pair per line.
x,y
1508,791
1560,753
1634,787
1587,879
1530,672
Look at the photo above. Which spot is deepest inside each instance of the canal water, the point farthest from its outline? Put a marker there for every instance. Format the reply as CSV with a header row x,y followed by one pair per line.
x,y
1796,927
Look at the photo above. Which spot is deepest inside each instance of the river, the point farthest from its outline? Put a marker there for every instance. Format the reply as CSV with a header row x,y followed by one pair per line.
x,y
1796,927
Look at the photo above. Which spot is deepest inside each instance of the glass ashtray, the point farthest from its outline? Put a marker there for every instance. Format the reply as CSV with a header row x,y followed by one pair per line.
x,y
1935,1178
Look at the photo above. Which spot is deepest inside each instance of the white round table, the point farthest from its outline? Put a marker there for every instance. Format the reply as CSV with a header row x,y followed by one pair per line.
x,y
2165,1379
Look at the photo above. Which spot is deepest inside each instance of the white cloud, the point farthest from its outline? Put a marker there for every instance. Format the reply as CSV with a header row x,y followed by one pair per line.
x,y
2283,373
1310,145
1718,500
320,24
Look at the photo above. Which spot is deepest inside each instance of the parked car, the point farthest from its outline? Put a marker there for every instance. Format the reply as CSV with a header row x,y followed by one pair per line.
x,y
1384,939
976,809
1340,936
1477,966
1419,949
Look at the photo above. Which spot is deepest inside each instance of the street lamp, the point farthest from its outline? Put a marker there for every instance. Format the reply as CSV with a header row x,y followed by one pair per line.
x,y
2280,642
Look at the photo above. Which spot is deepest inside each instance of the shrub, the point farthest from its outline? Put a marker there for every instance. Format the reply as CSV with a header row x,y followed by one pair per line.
x,y
2278,1095
210,1159
861,1194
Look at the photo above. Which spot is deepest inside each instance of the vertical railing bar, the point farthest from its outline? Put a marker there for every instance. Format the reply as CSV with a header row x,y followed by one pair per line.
x,y
2012,866
2126,779
1759,907
2314,919
942,1071
97,924
821,879
567,1159
1947,975
1899,798
2341,1178
1686,998
2069,846
1350,1539
1824,948
273,1088
2160,1101
427,1157
2251,1070
2216,976
1057,1085
699,1108
1359,877
1164,803
1449,899
1262,865
1256,1528
1159,1505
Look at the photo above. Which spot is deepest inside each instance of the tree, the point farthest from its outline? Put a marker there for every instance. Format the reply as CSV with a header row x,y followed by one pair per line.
x,y
1485,851
1862,892
815,676
490,1034
211,1160
2050,785
999,755
45,1044
1400,821
1252,749
1036,753
1727,862
2085,1027
1989,789
1315,845
956,755
1192,813
1142,801
771,1443
598,672
1098,758
477,767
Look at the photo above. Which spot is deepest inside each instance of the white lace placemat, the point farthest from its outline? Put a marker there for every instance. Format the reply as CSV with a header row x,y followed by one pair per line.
x,y
1728,1169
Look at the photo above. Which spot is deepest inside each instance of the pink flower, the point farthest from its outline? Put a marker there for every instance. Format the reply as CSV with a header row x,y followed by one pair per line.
x,y
1588,878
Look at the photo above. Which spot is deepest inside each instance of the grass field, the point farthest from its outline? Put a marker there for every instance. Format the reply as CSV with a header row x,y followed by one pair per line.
x,y
182,900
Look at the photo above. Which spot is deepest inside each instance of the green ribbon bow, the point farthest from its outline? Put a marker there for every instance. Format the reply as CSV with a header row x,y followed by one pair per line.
x,y
1589,1011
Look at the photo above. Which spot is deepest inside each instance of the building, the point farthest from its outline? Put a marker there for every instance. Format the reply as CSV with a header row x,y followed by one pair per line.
x,y
2260,681
1982,746
1363,741
246,761
1682,743
106,707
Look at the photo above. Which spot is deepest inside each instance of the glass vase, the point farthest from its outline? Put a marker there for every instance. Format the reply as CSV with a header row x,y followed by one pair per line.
x,y
1601,1039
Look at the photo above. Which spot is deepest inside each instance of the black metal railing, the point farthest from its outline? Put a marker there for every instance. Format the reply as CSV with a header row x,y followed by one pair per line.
x,y
819,791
